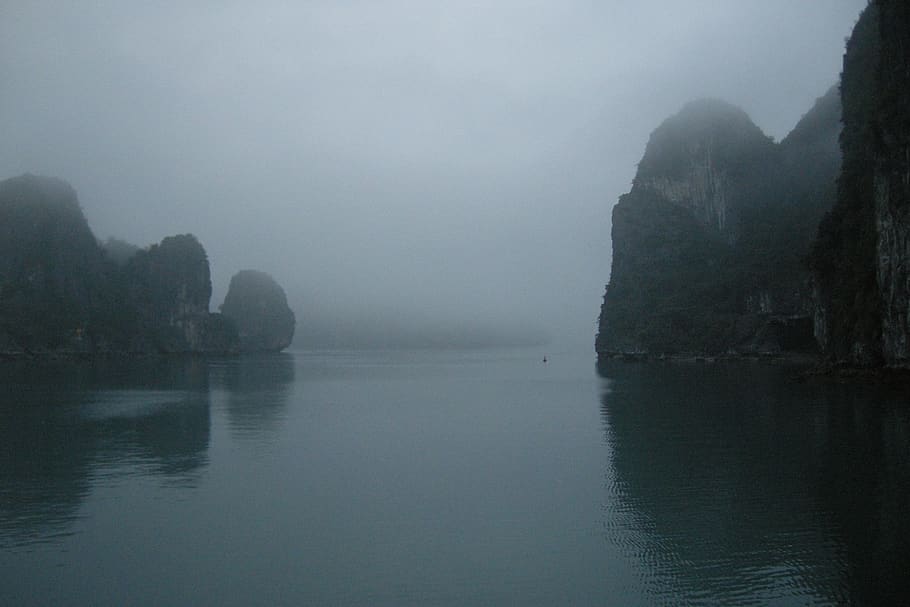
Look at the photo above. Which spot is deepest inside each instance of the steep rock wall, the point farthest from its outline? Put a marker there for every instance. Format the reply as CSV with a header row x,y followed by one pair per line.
x,y
52,272
703,190
709,244
170,285
891,181
861,257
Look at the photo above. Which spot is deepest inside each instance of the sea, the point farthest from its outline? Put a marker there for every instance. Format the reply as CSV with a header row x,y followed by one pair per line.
x,y
485,477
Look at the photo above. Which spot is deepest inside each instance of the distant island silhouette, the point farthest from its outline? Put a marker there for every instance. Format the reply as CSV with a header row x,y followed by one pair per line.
x,y
63,293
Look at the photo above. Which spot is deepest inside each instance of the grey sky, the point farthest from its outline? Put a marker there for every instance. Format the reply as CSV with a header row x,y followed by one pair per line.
x,y
427,161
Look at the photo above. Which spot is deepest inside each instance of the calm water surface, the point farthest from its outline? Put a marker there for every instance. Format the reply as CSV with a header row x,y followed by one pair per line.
x,y
431,478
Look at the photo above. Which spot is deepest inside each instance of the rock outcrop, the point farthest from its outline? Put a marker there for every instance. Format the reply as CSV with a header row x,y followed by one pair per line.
x,y
62,293
53,275
170,285
259,308
709,244
861,258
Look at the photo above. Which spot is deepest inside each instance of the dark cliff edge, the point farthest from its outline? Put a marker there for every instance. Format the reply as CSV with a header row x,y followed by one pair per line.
x,y
710,244
64,294
861,257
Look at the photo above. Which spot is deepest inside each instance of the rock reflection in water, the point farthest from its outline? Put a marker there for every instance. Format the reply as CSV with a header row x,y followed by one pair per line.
x,y
68,425
734,484
257,388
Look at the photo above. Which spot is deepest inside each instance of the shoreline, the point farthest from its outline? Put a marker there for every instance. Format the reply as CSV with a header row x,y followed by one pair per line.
x,y
808,366
790,358
9,357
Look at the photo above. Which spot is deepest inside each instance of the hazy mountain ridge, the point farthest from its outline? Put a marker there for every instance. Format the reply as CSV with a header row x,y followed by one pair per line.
x,y
709,245
62,293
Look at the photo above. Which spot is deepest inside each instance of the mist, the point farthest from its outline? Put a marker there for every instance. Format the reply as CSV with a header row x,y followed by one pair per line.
x,y
413,173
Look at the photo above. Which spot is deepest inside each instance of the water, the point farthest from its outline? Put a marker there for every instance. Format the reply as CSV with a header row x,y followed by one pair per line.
x,y
418,478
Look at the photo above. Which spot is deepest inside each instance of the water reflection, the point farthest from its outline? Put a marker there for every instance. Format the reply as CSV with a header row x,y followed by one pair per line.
x,y
66,426
734,484
257,390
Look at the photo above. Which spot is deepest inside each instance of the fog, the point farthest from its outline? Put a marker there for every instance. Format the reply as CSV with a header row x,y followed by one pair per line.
x,y
437,170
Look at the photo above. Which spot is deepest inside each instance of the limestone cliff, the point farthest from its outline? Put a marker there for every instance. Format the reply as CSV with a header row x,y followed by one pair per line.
x,y
708,245
702,159
861,258
891,181
52,272
170,285
259,307
61,293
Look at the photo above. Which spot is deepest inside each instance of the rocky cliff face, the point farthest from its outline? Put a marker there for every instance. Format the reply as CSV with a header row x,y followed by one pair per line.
x,y
861,258
258,306
52,272
708,245
60,293
891,181
695,160
170,285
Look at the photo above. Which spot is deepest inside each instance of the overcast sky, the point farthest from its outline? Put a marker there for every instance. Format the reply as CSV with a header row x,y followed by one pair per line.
x,y
435,163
